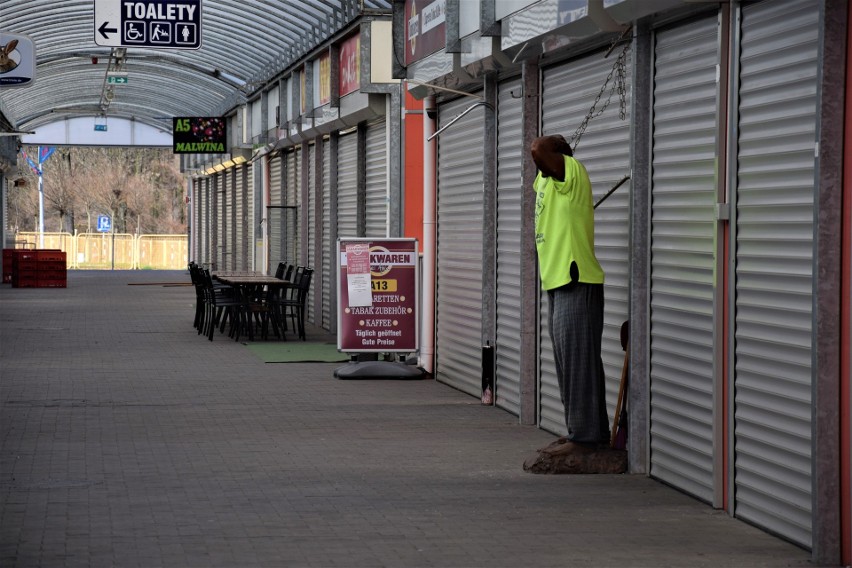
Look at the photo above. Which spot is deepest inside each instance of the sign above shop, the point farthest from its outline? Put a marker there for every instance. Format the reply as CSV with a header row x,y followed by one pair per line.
x,y
198,135
425,30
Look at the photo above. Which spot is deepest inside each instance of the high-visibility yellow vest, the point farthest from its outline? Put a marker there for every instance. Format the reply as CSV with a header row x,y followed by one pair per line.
x,y
565,227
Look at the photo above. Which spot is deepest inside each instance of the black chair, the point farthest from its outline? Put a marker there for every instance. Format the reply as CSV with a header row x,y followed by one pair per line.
x,y
292,305
223,307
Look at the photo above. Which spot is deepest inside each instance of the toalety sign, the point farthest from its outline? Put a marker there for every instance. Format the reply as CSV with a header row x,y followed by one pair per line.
x,y
198,135
173,24
377,291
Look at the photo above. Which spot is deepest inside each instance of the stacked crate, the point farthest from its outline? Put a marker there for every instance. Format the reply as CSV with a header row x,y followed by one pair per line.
x,y
40,268
52,270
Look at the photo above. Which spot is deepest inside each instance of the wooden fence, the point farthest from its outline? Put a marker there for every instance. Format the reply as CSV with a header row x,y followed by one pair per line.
x,y
119,251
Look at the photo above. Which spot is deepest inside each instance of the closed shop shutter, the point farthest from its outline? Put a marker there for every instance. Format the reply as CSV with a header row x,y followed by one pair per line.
x,y
327,276
568,92
347,185
196,219
507,350
227,228
779,60
219,224
293,197
376,182
275,215
249,216
312,229
459,241
239,221
205,222
683,256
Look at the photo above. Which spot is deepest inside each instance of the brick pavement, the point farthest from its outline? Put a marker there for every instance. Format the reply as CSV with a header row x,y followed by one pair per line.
x,y
128,440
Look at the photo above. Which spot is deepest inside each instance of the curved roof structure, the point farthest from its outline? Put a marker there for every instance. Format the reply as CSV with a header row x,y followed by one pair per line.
x,y
244,44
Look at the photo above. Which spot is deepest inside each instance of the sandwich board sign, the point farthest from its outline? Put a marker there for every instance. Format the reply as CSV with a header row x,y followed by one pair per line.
x,y
170,24
377,293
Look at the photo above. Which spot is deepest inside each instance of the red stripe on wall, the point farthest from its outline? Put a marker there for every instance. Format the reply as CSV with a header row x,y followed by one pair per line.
x,y
845,339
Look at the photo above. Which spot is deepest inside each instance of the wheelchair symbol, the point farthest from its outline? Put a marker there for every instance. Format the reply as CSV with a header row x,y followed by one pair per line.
x,y
132,33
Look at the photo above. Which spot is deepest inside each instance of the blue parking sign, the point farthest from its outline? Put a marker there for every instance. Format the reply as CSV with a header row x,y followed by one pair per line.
x,y
104,223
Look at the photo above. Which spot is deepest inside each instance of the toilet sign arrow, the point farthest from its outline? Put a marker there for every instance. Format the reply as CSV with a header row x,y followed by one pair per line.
x,y
169,24
104,30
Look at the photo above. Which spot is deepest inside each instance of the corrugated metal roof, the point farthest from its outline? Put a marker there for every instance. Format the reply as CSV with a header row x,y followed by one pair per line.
x,y
245,43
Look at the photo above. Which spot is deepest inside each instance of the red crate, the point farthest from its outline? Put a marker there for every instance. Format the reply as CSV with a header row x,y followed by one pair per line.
x,y
8,263
51,265
51,274
50,255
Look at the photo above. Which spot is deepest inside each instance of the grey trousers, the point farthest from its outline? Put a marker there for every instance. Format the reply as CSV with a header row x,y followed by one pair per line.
x,y
576,324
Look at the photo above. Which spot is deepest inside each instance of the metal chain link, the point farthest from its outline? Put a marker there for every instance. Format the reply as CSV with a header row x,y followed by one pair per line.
x,y
619,72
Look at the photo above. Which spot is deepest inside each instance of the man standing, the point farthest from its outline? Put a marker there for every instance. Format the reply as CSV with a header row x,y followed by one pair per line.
x,y
573,279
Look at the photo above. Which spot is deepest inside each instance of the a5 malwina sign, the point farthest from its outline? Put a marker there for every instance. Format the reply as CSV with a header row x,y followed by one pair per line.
x,y
199,135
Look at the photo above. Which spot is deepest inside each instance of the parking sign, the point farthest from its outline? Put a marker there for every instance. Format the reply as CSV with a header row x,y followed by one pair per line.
x,y
104,223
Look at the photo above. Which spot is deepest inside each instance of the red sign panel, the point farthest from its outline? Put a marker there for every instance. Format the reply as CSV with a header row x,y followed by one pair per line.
x,y
350,65
425,28
390,322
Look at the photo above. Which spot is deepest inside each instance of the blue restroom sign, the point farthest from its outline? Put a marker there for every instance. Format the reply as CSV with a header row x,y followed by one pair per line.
x,y
172,24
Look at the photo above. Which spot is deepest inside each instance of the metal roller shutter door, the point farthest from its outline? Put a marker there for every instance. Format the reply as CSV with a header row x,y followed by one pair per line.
x,y
459,245
376,180
312,229
196,218
227,231
239,218
567,94
327,276
205,222
249,216
219,227
778,81
293,196
507,351
347,185
275,216
683,256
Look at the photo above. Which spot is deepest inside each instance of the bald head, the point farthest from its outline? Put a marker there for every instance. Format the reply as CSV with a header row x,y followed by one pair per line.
x,y
547,153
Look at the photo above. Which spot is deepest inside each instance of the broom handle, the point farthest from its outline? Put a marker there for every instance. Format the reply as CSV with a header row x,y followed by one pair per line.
x,y
611,191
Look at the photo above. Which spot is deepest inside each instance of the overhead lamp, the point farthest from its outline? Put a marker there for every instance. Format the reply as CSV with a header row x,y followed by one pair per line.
x,y
210,171
229,163
218,167
239,160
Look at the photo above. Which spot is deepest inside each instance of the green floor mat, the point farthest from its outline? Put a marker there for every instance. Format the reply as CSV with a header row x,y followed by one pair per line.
x,y
297,352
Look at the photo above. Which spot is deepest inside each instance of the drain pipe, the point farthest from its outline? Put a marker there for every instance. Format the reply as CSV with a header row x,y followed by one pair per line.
x,y
427,322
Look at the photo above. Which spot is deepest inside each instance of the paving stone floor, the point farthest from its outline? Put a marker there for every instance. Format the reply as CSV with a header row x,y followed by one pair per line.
x,y
128,440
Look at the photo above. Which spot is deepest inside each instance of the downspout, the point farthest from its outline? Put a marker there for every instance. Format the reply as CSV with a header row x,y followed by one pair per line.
x,y
427,322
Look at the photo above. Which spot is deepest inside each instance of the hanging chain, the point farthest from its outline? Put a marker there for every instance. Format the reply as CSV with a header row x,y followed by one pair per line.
x,y
619,73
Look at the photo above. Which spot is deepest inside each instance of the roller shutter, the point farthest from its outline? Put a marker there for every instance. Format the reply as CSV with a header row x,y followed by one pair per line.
x,y
683,256
228,257
568,92
275,215
249,219
197,253
778,81
293,196
219,223
326,274
239,218
376,180
205,222
312,228
347,185
459,243
507,351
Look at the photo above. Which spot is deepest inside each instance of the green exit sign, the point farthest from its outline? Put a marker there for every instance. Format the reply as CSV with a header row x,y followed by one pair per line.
x,y
116,79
